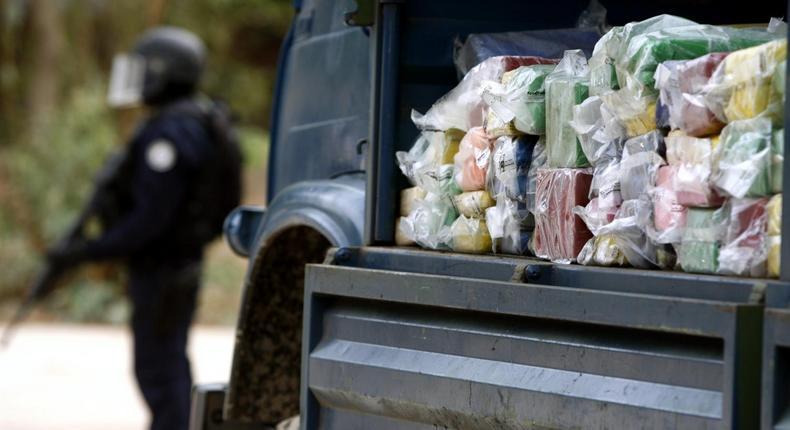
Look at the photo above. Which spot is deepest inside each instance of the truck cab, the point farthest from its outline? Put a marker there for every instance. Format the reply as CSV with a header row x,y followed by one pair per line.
x,y
347,330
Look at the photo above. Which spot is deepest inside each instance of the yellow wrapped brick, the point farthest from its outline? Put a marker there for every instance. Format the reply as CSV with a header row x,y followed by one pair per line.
x,y
470,235
401,238
408,197
473,204
774,209
643,122
452,140
774,263
748,74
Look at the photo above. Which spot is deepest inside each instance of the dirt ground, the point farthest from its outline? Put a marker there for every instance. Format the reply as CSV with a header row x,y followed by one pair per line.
x,y
59,376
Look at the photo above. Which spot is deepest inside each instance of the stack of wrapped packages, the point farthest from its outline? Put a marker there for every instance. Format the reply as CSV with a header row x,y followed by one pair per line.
x,y
664,150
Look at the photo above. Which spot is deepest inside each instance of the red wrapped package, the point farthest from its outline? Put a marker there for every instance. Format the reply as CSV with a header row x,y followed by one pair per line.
x,y
471,160
744,251
681,84
669,216
560,234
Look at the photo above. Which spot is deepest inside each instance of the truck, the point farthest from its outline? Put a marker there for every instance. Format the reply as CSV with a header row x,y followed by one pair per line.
x,y
347,330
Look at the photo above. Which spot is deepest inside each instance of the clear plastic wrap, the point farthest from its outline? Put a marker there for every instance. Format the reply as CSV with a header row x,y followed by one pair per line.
x,y
596,215
741,87
511,158
471,160
777,159
744,250
463,107
520,98
613,45
636,69
742,166
774,209
470,235
602,251
637,114
774,263
402,237
510,226
473,204
669,216
681,85
640,163
699,249
542,43
628,228
409,198
559,233
693,159
566,87
539,160
429,221
429,151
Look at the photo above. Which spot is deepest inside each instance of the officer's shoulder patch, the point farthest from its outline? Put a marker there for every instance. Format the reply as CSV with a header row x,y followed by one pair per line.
x,y
161,155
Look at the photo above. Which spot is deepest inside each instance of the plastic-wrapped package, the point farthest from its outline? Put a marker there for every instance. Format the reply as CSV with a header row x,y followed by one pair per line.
x,y
636,113
539,161
595,215
742,164
599,132
438,180
510,226
402,237
774,210
629,231
601,251
669,216
473,204
774,263
469,235
559,233
606,185
428,223
699,249
520,98
636,69
463,107
640,163
613,44
693,159
542,43
681,85
495,127
741,86
409,198
744,249
777,159
471,160
509,166
566,87
431,150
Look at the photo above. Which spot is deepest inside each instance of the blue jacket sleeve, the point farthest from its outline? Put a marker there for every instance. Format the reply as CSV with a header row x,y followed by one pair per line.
x,y
159,184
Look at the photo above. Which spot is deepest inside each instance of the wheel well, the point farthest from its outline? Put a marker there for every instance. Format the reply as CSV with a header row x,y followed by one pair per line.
x,y
264,383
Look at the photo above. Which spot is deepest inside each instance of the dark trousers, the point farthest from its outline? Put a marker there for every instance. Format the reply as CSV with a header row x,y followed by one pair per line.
x,y
164,299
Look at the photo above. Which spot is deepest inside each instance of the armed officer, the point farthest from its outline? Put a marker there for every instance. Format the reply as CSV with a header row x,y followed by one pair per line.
x,y
165,199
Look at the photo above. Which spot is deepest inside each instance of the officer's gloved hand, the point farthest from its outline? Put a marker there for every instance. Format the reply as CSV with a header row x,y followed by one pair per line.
x,y
67,255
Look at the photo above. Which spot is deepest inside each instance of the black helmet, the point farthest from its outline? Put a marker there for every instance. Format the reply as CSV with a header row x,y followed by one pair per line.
x,y
165,64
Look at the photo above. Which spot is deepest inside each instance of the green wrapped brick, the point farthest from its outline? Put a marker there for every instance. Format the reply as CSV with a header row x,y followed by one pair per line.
x,y
613,44
699,249
520,98
742,165
636,66
566,87
777,159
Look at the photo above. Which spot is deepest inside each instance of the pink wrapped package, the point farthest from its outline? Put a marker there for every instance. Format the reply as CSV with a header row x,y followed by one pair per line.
x,y
471,160
560,234
744,251
669,216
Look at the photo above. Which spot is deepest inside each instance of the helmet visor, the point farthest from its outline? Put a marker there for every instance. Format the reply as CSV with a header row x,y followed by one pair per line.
x,y
126,81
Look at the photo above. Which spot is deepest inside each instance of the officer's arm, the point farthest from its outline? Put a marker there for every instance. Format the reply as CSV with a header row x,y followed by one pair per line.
x,y
158,186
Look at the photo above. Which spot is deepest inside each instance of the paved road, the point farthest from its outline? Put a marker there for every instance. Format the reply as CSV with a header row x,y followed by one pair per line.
x,y
56,376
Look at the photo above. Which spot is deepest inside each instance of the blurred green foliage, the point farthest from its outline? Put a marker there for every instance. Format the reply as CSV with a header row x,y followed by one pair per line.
x,y
53,143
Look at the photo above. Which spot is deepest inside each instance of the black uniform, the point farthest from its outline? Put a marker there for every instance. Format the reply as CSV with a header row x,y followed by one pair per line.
x,y
171,182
